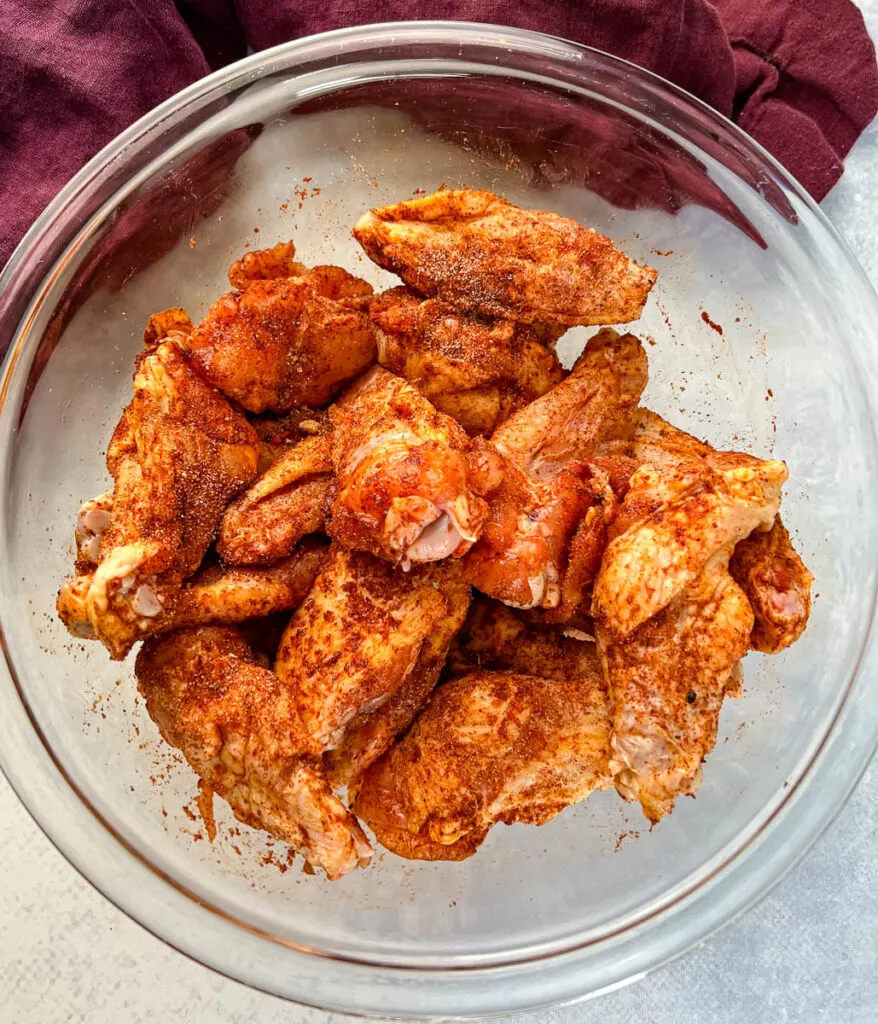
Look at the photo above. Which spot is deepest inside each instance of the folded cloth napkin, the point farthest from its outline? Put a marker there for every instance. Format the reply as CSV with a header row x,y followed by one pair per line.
x,y
798,75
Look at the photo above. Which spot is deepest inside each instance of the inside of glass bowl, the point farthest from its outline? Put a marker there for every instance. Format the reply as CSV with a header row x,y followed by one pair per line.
x,y
746,334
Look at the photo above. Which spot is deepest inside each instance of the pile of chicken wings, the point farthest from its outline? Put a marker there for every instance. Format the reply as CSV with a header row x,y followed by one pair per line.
x,y
387,546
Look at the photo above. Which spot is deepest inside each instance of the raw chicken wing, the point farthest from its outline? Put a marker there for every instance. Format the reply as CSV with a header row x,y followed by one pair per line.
x,y
288,341
670,621
477,371
670,525
364,631
549,488
765,564
480,253
236,724
667,681
489,747
405,473
179,454
777,585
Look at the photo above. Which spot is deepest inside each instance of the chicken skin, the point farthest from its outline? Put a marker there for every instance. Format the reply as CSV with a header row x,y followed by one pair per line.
x,y
236,724
477,371
765,564
406,475
489,747
213,596
548,487
282,342
364,632
480,253
777,585
289,500
179,454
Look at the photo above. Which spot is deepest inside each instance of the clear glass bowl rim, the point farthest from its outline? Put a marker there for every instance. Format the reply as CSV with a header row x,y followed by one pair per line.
x,y
302,975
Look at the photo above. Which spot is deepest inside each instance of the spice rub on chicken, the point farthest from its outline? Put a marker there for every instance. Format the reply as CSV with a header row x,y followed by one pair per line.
x,y
458,588
480,253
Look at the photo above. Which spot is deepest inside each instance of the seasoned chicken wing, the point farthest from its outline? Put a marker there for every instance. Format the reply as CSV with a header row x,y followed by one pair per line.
x,y
236,724
549,488
289,500
777,585
371,732
213,596
670,621
406,475
480,253
765,564
667,680
477,371
364,631
489,747
668,528
288,341
495,637
179,454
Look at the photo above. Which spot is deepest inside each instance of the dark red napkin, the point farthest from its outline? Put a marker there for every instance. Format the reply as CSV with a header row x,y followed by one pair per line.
x,y
798,75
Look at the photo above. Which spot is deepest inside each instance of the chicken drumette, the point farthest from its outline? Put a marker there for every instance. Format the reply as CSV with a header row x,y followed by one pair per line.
x,y
238,726
480,253
549,490
477,371
179,454
409,479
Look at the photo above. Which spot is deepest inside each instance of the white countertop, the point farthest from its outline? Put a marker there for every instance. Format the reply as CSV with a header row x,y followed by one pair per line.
x,y
808,953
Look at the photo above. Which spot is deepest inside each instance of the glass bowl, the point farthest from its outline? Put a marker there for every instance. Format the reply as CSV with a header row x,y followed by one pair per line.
x,y
760,336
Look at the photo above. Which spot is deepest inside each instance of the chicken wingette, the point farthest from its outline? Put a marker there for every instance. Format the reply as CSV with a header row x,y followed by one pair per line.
x,y
278,342
476,251
671,623
214,595
364,650
489,747
765,564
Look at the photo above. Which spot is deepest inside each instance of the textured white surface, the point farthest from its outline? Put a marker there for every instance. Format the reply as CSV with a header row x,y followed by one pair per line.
x,y
808,953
